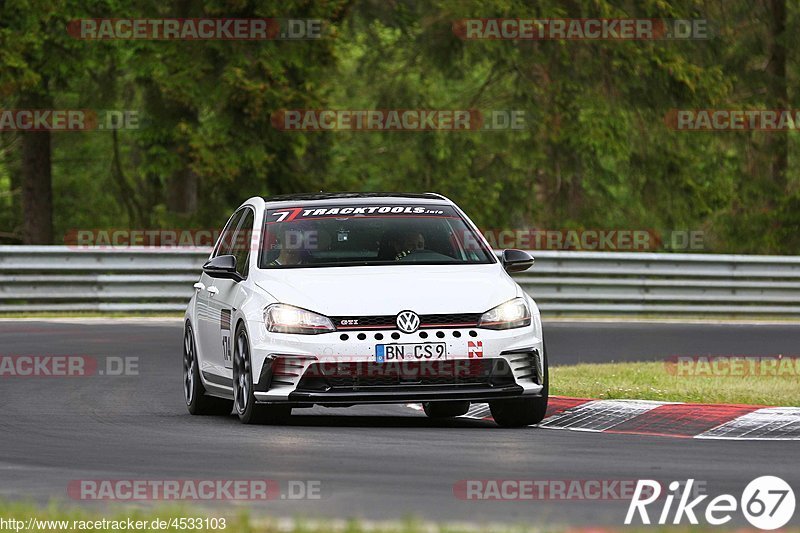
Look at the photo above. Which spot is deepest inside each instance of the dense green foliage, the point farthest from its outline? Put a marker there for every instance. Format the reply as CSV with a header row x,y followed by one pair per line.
x,y
595,153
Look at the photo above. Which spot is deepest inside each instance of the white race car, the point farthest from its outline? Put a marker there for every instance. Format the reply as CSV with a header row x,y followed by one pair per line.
x,y
358,298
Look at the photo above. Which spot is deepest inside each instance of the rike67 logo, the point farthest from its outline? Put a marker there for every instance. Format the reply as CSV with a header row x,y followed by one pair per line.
x,y
767,502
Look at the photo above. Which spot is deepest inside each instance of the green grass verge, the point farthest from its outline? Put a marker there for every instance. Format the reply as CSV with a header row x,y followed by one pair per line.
x,y
60,518
660,381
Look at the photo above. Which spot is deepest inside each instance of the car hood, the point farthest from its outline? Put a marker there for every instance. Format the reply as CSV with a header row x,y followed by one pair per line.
x,y
387,290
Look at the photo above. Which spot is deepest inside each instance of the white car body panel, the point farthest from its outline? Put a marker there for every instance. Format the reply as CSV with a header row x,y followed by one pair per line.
x,y
387,290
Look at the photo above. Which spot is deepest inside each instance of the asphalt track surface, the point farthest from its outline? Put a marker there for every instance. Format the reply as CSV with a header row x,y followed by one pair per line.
x,y
374,462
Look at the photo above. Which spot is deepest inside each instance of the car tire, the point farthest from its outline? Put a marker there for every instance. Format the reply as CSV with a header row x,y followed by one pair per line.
x,y
197,401
244,401
445,409
523,412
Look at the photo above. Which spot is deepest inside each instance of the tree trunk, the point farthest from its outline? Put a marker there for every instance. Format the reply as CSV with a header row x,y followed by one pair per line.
x,y
10,163
777,143
182,191
183,184
37,189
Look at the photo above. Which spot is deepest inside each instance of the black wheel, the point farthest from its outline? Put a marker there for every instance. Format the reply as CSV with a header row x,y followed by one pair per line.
x,y
194,393
445,409
523,411
244,401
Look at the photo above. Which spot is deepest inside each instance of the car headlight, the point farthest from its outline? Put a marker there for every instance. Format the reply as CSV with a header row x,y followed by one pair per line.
x,y
512,314
282,318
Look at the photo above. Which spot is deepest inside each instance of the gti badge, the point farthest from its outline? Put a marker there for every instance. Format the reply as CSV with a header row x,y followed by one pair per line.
x,y
408,321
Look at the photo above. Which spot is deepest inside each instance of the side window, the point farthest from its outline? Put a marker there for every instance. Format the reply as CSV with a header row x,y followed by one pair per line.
x,y
242,243
225,241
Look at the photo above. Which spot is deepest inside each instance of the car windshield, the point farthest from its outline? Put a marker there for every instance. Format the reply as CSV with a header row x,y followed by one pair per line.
x,y
353,235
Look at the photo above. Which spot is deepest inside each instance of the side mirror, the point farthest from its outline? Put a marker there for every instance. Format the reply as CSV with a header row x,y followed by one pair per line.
x,y
516,260
222,267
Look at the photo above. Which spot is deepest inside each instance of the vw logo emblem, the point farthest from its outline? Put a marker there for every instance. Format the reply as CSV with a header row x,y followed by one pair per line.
x,y
408,321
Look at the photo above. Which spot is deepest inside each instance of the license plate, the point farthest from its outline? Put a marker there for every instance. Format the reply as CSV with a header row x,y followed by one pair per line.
x,y
427,351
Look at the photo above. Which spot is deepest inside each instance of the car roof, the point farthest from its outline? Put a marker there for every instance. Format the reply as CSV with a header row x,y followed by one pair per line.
x,y
354,197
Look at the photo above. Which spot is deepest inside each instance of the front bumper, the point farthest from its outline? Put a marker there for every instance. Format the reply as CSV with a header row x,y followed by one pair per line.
x,y
340,368
413,395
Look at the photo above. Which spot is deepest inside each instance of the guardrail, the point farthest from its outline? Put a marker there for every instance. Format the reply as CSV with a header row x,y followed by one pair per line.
x,y
60,278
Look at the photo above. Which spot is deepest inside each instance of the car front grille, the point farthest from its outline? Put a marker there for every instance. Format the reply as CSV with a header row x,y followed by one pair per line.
x,y
452,320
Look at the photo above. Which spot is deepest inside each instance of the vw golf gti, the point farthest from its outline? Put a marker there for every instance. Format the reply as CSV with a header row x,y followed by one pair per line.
x,y
343,299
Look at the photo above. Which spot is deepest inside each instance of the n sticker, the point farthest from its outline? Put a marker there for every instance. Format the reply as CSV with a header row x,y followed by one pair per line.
x,y
475,349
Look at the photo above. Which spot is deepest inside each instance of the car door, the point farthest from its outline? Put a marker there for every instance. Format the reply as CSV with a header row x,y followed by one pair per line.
x,y
223,299
209,311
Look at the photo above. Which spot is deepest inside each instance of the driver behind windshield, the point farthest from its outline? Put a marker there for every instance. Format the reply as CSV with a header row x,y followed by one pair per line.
x,y
294,246
396,244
